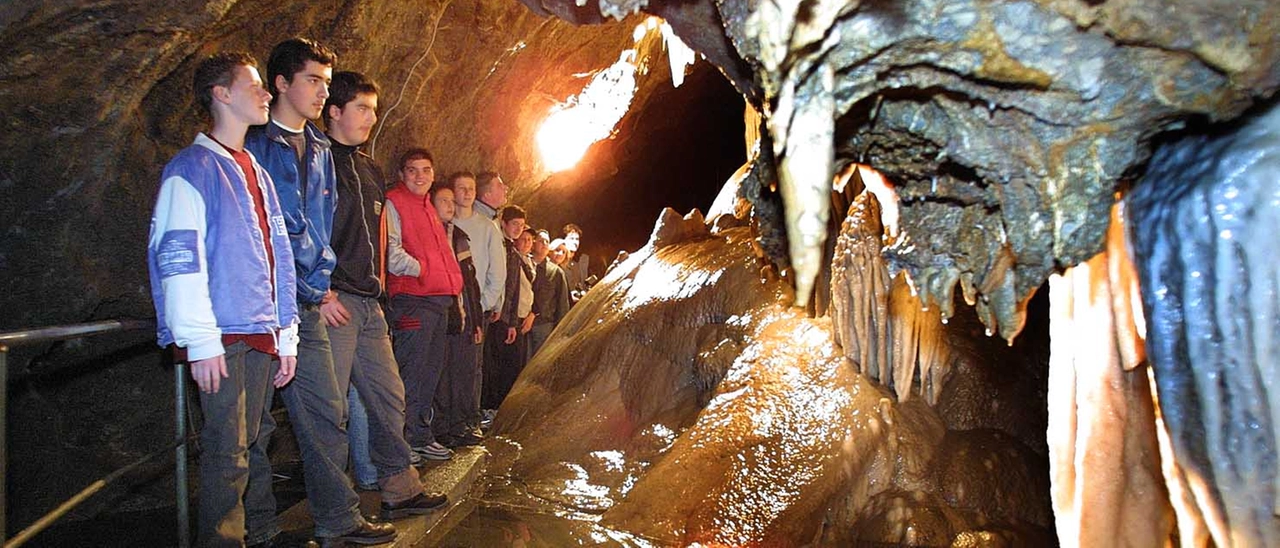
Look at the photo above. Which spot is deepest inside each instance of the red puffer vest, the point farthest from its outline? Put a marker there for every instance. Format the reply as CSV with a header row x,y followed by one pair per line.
x,y
422,235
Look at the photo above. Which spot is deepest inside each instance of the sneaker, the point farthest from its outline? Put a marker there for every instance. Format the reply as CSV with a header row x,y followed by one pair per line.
x,y
422,503
434,451
486,418
467,439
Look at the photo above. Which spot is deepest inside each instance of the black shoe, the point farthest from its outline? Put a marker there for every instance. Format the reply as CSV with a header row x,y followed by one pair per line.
x,y
423,503
367,533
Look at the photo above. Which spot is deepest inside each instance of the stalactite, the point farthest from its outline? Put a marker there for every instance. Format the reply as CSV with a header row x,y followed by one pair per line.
x,y
1104,456
884,328
1205,219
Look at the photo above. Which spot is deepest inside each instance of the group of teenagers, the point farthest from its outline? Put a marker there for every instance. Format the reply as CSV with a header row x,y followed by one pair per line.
x,y
391,321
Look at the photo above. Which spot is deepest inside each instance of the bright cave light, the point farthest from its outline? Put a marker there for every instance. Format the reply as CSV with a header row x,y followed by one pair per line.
x,y
588,117
573,126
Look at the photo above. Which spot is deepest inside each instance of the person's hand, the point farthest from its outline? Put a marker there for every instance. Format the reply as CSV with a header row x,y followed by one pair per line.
x,y
288,366
527,324
209,372
493,316
479,335
331,309
511,335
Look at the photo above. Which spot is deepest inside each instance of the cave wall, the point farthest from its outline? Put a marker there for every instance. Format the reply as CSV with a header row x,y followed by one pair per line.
x,y
99,96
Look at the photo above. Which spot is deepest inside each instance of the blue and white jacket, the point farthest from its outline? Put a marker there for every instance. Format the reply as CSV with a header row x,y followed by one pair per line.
x,y
208,267
308,209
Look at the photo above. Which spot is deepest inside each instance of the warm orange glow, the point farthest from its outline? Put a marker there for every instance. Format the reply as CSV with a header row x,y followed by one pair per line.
x,y
573,126
588,117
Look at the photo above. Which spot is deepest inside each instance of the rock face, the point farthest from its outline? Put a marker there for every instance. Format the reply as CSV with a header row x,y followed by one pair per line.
x,y
100,96
1005,129
1004,125
682,402
1209,209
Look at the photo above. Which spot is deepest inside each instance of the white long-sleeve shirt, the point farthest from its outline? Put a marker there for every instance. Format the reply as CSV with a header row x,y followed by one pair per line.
x,y
489,256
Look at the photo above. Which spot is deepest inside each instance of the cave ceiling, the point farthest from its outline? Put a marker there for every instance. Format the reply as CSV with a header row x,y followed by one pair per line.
x,y
98,100
1006,127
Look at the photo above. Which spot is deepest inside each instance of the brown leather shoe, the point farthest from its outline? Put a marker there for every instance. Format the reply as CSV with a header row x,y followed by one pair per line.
x,y
420,504
367,534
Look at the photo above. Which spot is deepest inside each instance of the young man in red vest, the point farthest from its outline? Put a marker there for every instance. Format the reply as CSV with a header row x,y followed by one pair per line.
x,y
423,279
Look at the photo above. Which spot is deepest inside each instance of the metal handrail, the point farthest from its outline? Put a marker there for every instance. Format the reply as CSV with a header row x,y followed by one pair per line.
x,y
179,445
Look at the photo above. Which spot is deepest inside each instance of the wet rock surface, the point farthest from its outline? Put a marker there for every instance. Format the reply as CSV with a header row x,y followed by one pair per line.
x,y
1005,125
1210,290
682,401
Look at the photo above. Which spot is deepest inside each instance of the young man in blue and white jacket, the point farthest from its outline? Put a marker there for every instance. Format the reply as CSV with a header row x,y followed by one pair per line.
x,y
222,280
298,157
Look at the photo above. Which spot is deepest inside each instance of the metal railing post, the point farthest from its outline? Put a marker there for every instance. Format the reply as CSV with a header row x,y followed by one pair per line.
x,y
4,447
180,453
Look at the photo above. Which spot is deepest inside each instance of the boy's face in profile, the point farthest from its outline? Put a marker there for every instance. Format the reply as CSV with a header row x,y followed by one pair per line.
x,y
248,100
306,90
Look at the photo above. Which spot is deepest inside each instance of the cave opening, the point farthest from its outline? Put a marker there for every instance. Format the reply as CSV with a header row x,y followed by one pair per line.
x,y
674,150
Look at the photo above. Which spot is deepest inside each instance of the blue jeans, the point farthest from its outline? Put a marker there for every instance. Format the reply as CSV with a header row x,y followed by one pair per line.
x,y
358,436
235,501
364,365
317,412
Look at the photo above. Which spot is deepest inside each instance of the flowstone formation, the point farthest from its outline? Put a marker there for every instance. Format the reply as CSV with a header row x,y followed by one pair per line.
x,y
1005,131
683,402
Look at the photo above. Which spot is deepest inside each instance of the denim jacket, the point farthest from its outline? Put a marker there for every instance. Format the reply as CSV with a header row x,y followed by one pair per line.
x,y
308,209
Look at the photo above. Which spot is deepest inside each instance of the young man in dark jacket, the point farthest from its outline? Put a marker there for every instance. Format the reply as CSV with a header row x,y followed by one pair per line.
x,y
505,341
550,294
458,395
362,357
298,157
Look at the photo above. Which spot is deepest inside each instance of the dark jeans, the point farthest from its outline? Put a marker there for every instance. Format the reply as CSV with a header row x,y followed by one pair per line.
x,y
458,395
502,364
362,357
418,339
538,337
317,413
235,500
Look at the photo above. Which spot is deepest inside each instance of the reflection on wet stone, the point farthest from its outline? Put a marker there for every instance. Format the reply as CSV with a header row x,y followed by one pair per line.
x,y
682,401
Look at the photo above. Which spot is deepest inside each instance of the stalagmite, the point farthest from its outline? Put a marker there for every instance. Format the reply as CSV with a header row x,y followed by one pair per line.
x,y
884,328
1104,456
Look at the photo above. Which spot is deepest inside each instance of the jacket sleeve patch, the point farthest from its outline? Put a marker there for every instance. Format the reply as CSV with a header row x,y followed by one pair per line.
x,y
178,253
281,229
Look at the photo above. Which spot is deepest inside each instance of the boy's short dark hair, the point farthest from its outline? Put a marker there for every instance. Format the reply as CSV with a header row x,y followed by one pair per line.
x,y
483,180
571,228
417,153
513,212
290,56
435,189
218,69
344,88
